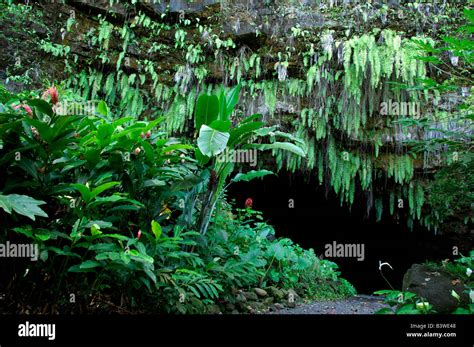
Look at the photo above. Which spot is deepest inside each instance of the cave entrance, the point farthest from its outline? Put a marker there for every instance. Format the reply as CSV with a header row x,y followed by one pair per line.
x,y
316,221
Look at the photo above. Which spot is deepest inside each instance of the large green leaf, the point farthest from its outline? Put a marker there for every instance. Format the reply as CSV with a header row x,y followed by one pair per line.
x,y
104,134
212,142
201,158
207,110
221,125
251,175
156,228
89,264
41,106
224,170
276,250
44,130
242,132
103,187
102,108
232,99
252,118
22,204
223,106
289,137
286,146
85,192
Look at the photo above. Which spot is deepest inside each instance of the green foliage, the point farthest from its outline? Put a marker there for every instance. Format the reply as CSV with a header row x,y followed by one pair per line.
x,y
403,303
101,179
248,255
22,204
117,205
252,174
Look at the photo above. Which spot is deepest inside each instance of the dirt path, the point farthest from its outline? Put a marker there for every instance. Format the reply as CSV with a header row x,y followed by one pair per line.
x,y
359,304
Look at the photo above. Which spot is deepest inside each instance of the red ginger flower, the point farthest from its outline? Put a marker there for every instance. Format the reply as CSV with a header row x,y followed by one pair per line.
x,y
26,108
248,203
53,93
139,234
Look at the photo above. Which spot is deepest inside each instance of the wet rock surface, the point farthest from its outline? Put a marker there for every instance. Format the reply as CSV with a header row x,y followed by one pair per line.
x,y
434,286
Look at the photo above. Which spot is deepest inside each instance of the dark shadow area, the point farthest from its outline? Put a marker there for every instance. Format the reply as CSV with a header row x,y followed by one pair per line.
x,y
316,220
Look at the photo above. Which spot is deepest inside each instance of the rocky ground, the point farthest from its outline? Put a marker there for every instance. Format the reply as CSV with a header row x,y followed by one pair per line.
x,y
359,304
272,300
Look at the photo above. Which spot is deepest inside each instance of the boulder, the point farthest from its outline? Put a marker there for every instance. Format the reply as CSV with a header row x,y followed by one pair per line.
x,y
292,294
268,300
256,306
250,296
277,307
243,307
260,292
435,287
278,294
240,298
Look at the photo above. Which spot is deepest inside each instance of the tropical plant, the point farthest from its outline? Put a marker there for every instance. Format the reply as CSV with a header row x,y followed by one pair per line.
x,y
403,303
217,134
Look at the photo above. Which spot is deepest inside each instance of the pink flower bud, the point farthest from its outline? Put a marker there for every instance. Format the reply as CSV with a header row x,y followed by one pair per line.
x,y
28,110
53,93
25,107
248,203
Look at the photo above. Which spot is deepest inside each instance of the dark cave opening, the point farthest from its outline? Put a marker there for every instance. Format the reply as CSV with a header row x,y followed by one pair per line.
x,y
315,221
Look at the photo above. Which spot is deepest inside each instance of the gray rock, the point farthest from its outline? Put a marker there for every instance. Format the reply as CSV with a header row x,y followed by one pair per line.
x,y
268,300
176,6
260,292
278,306
293,294
250,296
240,298
256,305
278,294
434,286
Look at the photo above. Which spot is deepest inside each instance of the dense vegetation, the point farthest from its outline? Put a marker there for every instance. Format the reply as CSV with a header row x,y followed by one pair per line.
x,y
122,211
110,151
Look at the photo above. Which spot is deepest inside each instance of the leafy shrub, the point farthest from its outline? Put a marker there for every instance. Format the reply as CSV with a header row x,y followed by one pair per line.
x,y
251,256
403,303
